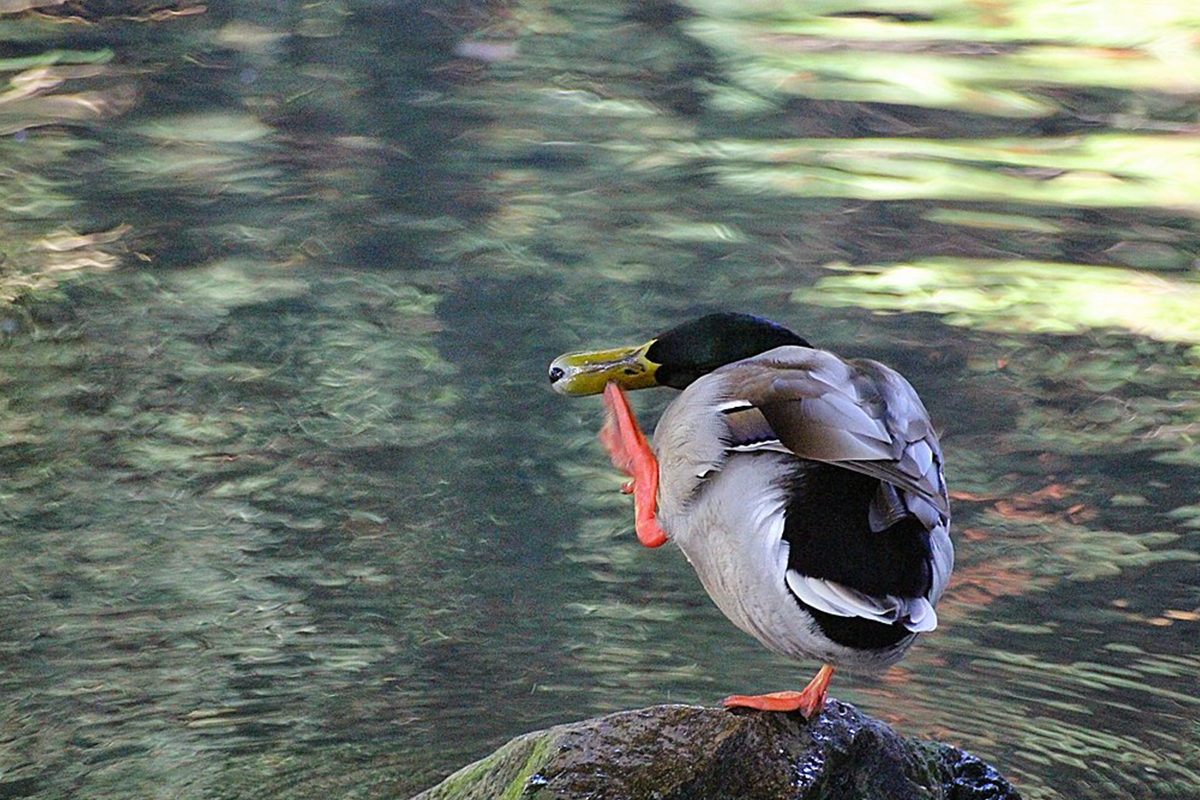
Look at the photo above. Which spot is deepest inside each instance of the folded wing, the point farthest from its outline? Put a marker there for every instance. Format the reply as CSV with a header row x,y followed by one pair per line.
x,y
860,416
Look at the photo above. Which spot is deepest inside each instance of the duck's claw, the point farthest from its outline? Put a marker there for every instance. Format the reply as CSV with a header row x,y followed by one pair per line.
x,y
631,453
610,438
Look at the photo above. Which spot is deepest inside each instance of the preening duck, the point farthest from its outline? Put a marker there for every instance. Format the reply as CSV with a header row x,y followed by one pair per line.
x,y
806,489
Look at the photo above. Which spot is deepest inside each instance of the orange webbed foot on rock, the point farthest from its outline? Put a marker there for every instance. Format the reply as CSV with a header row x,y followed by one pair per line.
x,y
808,701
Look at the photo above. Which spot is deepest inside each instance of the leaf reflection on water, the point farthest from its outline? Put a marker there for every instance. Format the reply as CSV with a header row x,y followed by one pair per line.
x,y
994,58
1022,296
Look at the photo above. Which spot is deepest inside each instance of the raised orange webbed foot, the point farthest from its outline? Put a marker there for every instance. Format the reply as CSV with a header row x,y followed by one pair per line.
x,y
631,453
808,701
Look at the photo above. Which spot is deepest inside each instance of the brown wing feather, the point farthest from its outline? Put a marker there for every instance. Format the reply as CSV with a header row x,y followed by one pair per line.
x,y
859,415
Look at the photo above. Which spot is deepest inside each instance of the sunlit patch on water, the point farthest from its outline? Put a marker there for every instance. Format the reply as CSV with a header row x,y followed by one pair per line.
x,y
1025,297
1008,59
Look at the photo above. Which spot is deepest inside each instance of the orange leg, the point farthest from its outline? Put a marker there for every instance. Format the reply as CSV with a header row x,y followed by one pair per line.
x,y
631,453
808,702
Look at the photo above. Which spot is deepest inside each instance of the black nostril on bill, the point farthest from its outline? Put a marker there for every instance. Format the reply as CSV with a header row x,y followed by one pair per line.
x,y
556,374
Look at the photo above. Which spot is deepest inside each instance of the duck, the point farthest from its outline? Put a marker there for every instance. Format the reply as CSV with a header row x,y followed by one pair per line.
x,y
806,489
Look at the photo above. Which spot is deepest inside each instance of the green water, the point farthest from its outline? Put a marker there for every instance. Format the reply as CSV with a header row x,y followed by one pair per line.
x,y
288,510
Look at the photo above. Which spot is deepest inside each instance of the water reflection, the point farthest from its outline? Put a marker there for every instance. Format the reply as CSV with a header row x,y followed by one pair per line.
x,y
1022,296
287,510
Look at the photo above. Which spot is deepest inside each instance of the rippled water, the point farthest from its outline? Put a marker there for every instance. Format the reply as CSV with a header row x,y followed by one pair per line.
x,y
288,511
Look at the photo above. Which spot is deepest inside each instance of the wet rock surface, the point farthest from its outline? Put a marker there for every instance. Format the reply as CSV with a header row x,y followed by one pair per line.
x,y
684,752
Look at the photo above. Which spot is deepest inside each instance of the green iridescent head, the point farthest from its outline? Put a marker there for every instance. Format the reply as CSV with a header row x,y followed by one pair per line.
x,y
674,358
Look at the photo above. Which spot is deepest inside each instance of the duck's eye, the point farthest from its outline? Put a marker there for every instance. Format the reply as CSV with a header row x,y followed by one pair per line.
x,y
630,371
556,374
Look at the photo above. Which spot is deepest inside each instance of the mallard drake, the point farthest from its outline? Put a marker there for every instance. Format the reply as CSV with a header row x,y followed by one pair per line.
x,y
806,489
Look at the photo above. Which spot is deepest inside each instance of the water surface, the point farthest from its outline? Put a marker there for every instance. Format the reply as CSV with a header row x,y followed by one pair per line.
x,y
289,511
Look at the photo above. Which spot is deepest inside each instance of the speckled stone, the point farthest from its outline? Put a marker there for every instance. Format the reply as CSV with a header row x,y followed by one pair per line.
x,y
687,752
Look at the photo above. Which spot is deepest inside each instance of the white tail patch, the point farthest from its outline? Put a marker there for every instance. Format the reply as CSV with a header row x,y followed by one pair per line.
x,y
921,616
916,614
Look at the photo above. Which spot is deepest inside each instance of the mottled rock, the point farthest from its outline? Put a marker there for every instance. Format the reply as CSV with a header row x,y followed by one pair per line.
x,y
689,753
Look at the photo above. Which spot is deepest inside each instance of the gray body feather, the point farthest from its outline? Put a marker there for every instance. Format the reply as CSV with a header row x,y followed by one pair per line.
x,y
726,447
